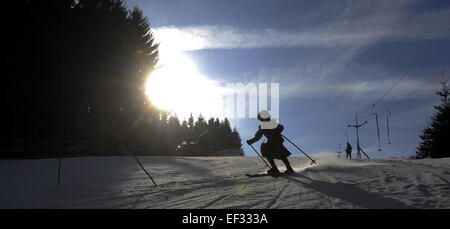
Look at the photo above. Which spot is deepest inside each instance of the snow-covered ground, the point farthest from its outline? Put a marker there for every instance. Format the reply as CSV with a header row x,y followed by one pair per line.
x,y
195,182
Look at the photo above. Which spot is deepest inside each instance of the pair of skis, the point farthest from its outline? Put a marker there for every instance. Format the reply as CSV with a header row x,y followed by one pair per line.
x,y
270,167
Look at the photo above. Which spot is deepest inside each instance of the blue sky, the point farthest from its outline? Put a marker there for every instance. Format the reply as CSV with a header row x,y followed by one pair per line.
x,y
332,59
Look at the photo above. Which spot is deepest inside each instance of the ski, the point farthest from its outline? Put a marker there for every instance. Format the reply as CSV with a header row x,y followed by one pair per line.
x,y
266,175
257,175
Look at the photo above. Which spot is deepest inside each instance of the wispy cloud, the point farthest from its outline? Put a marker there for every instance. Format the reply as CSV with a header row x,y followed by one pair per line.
x,y
385,20
325,81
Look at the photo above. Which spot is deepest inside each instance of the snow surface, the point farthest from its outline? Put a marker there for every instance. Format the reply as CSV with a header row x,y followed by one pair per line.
x,y
207,182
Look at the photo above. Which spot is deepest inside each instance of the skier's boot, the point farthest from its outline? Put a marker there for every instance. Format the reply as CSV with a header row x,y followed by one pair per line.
x,y
273,172
289,171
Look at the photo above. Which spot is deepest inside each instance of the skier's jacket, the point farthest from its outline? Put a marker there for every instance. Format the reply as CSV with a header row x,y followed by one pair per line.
x,y
348,150
274,147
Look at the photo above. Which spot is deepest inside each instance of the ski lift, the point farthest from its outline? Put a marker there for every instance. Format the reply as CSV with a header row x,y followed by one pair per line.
x,y
388,116
378,129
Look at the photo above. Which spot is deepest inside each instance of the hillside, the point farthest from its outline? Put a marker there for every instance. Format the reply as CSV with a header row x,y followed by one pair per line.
x,y
198,182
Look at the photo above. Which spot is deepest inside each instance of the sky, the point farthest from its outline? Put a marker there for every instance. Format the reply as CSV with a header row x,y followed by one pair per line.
x,y
332,60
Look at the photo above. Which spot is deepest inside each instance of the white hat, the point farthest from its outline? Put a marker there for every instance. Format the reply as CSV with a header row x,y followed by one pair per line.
x,y
264,115
265,121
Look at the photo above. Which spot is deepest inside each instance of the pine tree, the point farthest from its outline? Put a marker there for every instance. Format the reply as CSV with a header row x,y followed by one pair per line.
x,y
184,129
200,125
191,122
434,140
236,139
85,64
174,133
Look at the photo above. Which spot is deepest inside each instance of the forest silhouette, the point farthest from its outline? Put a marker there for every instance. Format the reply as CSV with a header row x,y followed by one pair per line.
x,y
74,82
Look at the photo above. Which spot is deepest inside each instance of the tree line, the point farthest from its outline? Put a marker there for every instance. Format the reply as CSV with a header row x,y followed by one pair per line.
x,y
215,134
75,70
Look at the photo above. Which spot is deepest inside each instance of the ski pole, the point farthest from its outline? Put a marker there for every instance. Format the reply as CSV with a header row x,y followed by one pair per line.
x,y
144,170
260,156
59,170
123,147
313,161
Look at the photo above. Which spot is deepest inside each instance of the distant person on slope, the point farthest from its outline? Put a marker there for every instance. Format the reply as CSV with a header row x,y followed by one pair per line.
x,y
348,151
274,148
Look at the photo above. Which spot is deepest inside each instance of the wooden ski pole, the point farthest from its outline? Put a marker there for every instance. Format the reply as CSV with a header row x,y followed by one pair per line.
x,y
260,156
313,161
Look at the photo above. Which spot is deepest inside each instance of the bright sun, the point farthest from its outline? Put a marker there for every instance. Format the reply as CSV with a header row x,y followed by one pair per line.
x,y
178,87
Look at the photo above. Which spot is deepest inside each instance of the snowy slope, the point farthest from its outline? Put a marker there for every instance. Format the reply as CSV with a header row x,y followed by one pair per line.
x,y
194,182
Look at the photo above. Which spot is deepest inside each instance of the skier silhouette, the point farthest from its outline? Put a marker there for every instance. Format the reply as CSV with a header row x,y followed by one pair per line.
x,y
274,148
348,151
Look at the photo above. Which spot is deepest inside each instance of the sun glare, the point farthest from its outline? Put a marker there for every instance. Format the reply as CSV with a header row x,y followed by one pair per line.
x,y
179,88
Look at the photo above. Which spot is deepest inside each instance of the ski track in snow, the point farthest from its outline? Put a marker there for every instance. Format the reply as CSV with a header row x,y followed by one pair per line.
x,y
207,182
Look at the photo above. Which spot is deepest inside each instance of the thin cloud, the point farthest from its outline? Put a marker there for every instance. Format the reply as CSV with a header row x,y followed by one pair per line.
x,y
331,81
385,21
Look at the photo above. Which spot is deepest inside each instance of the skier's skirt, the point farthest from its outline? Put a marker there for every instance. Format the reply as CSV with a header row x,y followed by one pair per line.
x,y
274,150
